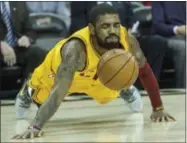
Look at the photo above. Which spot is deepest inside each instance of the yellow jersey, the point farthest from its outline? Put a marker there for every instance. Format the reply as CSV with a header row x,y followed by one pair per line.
x,y
42,79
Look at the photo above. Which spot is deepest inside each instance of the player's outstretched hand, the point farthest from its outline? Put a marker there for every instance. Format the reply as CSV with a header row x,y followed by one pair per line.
x,y
31,132
161,116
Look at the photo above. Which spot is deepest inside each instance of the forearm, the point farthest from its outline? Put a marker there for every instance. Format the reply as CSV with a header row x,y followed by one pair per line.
x,y
64,77
150,84
48,109
146,75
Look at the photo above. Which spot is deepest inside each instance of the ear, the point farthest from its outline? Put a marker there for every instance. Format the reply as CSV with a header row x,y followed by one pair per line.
x,y
91,28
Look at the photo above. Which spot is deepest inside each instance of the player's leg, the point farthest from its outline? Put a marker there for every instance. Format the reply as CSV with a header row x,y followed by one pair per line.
x,y
23,101
133,98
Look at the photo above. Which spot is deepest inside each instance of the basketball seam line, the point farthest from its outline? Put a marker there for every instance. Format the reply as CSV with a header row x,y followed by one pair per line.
x,y
118,71
130,77
106,63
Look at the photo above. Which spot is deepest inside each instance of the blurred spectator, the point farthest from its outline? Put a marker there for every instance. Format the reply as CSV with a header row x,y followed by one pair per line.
x,y
62,9
152,46
169,20
79,14
16,38
147,3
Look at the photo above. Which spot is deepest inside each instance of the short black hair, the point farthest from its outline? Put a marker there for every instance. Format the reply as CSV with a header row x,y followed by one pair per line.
x,y
99,10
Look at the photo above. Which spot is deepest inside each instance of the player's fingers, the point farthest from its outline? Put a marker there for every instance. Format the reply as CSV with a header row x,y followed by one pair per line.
x,y
172,118
166,119
26,135
40,134
157,119
32,135
151,118
19,137
16,137
154,119
161,119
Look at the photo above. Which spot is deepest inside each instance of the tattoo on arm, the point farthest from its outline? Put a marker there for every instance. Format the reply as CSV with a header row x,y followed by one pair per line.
x,y
64,77
136,50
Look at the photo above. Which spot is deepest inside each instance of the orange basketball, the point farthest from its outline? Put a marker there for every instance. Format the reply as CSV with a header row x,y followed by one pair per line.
x,y
117,69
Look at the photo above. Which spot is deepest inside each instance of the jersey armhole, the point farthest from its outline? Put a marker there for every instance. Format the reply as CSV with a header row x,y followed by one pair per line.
x,y
85,50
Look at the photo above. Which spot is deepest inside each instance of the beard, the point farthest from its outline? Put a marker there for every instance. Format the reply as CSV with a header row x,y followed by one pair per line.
x,y
108,45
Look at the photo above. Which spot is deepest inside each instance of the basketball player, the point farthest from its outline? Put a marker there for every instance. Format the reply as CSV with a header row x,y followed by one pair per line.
x,y
71,67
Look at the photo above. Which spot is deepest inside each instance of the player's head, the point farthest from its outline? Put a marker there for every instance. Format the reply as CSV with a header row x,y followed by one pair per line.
x,y
104,24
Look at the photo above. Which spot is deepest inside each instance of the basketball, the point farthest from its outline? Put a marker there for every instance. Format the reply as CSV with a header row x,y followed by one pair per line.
x,y
117,69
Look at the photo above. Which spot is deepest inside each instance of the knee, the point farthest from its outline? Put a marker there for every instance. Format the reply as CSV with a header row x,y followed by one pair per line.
x,y
177,44
181,49
183,46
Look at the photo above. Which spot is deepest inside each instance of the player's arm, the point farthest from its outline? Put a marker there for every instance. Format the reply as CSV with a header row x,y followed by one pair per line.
x,y
149,81
136,50
146,75
71,53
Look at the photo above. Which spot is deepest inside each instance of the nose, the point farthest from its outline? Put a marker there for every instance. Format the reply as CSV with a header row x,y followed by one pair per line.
x,y
111,31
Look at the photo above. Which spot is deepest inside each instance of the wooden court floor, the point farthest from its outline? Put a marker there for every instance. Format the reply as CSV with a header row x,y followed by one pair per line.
x,y
88,121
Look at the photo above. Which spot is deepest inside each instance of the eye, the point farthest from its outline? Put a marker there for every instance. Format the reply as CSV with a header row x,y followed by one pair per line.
x,y
104,26
117,25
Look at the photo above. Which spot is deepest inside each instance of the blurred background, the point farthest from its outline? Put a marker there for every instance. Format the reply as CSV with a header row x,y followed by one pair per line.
x,y
28,30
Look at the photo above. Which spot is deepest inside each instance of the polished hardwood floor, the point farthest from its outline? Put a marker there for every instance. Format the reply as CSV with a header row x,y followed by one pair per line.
x,y
88,121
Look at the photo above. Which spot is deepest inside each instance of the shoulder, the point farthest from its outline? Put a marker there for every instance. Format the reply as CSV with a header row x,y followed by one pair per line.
x,y
72,53
74,44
